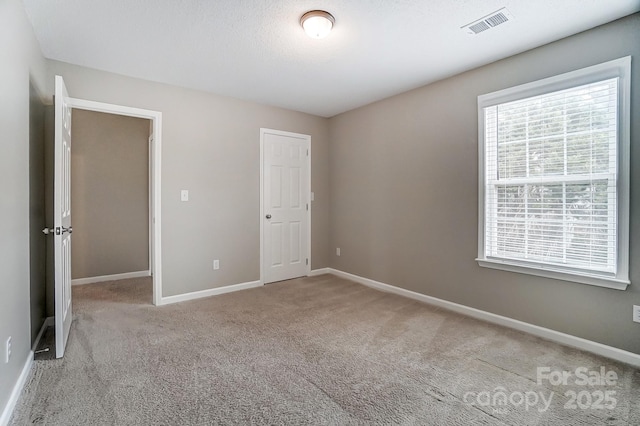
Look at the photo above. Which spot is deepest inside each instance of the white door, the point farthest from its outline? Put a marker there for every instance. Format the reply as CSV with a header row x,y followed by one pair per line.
x,y
62,216
285,205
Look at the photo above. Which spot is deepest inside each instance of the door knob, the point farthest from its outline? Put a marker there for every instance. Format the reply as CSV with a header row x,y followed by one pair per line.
x,y
268,216
60,230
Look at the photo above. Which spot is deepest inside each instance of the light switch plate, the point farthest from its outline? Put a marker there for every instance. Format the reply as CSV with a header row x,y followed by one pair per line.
x,y
184,195
7,349
636,313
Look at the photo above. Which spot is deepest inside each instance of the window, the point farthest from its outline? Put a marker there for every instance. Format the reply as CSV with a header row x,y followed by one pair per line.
x,y
554,176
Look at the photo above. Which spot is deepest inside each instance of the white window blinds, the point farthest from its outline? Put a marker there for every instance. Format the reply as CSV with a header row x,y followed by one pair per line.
x,y
551,176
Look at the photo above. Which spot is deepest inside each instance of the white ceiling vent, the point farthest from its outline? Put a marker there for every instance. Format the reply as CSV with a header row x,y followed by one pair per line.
x,y
492,20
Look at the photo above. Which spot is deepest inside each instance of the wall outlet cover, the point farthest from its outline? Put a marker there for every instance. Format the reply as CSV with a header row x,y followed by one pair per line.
x,y
636,313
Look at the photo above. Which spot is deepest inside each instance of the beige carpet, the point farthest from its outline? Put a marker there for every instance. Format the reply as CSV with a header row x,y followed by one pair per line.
x,y
318,350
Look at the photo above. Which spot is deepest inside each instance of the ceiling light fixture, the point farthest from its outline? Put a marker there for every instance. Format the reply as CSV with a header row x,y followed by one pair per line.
x,y
317,23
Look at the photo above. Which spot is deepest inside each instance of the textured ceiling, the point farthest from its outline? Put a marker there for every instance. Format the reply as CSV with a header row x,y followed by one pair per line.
x,y
256,49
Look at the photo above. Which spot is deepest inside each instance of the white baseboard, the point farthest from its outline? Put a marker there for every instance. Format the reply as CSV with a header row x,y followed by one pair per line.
x,y
17,390
22,380
556,336
322,271
210,292
103,278
49,321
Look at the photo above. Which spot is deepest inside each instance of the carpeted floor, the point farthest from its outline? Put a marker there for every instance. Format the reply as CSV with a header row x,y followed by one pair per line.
x,y
317,350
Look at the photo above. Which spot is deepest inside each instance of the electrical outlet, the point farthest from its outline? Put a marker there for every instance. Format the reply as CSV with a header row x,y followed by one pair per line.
x,y
636,313
337,251
7,351
216,264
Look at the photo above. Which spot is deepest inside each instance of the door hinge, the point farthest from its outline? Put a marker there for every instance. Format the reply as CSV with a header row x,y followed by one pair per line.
x,y
307,152
307,261
307,206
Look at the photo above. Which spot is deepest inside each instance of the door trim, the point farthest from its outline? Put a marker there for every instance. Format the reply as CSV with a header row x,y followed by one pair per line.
x,y
264,131
155,156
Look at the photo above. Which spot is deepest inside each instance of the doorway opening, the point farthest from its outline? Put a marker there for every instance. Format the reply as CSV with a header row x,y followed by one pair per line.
x,y
110,201
153,151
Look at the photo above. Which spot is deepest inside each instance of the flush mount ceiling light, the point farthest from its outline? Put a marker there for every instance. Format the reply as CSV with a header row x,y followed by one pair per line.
x,y
317,23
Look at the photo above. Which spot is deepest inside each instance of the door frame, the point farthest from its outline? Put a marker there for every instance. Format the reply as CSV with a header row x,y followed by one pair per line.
x,y
155,157
264,131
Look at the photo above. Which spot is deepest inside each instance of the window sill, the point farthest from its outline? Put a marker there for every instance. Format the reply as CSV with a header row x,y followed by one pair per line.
x,y
550,272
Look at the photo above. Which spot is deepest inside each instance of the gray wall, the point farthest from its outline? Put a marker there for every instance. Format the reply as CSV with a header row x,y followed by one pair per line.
x,y
210,146
109,194
404,194
37,240
21,62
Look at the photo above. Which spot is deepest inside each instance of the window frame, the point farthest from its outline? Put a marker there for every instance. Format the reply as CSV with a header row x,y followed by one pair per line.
x,y
620,69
